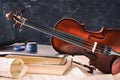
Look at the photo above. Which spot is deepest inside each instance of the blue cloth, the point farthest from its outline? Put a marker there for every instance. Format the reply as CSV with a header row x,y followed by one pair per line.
x,y
19,48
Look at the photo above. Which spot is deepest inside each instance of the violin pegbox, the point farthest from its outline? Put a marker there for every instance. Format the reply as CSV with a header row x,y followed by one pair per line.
x,y
19,20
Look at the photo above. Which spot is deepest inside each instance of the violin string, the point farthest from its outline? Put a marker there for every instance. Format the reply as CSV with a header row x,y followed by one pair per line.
x,y
85,44
62,35
81,41
71,39
76,41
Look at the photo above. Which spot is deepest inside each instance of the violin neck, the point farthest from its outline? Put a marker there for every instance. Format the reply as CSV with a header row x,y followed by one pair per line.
x,y
55,33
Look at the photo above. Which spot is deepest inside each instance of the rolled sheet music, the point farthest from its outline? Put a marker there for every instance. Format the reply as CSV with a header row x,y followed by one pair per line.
x,y
12,67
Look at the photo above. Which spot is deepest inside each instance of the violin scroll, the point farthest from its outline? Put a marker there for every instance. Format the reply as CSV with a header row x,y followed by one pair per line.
x,y
10,16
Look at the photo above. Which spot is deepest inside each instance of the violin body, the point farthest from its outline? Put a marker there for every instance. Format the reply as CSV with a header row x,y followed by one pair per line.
x,y
107,37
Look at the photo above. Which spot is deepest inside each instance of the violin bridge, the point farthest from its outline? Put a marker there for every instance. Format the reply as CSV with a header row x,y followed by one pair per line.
x,y
94,47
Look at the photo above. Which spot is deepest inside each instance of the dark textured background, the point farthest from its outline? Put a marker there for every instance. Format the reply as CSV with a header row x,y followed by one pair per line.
x,y
94,13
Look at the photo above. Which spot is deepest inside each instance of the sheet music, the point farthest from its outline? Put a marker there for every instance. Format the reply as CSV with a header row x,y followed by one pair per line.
x,y
116,77
99,77
74,74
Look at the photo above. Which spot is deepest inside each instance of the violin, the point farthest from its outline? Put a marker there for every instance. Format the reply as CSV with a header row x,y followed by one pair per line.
x,y
70,37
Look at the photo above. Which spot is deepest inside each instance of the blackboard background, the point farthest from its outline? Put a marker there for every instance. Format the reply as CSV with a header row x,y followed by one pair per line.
x,y
94,13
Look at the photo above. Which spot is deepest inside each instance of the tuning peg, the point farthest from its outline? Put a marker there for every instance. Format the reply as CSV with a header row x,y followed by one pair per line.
x,y
22,11
19,12
21,28
17,25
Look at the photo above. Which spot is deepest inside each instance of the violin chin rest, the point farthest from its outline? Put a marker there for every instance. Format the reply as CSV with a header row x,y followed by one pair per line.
x,y
116,66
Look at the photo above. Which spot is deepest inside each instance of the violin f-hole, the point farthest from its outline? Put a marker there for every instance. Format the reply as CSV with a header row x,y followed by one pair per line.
x,y
100,34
